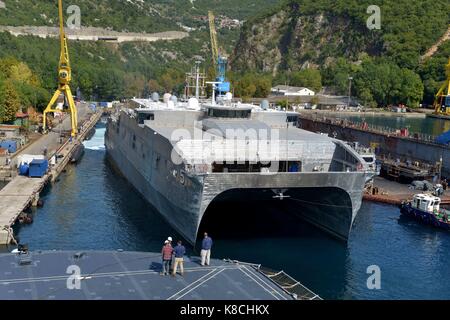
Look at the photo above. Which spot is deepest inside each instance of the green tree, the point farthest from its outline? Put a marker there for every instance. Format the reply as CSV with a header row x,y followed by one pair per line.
x,y
9,103
309,78
411,88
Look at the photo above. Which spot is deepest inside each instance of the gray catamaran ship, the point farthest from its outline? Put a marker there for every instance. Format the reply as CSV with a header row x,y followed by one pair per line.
x,y
183,156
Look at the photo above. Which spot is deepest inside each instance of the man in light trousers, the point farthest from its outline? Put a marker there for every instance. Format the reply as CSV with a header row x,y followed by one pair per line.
x,y
179,252
206,249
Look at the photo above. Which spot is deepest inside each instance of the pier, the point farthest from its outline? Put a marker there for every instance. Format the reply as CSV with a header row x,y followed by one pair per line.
x,y
22,192
394,193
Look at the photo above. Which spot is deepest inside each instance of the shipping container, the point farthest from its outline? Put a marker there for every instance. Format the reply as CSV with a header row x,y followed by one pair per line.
x,y
27,158
38,168
9,145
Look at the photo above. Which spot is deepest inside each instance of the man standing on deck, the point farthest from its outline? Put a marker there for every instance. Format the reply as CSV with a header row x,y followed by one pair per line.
x,y
206,249
179,251
171,260
166,252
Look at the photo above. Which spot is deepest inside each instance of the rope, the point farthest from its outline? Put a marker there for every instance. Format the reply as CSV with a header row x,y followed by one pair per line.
x,y
321,204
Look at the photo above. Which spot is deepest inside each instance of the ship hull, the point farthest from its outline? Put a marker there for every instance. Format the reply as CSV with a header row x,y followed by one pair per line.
x,y
182,220
328,207
328,200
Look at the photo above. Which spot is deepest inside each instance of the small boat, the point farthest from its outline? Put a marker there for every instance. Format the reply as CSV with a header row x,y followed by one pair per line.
x,y
77,153
426,209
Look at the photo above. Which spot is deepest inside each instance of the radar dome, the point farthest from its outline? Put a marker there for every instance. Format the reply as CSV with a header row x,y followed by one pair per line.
x,y
265,104
166,97
174,99
193,104
170,104
155,96
228,96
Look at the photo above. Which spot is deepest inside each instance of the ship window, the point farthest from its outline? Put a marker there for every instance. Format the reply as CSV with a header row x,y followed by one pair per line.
x,y
145,116
228,113
292,119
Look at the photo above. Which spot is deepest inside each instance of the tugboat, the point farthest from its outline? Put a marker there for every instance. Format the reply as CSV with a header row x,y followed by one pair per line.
x,y
426,208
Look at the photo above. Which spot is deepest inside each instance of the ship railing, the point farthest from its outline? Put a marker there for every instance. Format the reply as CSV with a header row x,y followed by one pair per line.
x,y
385,130
282,280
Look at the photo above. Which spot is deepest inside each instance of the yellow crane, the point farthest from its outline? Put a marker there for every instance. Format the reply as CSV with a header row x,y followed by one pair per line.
x,y
64,78
213,35
442,100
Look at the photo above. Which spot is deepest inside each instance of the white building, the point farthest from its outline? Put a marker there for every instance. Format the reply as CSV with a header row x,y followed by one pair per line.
x,y
291,91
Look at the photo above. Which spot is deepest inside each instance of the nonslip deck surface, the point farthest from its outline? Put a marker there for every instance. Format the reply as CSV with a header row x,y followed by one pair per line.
x,y
127,275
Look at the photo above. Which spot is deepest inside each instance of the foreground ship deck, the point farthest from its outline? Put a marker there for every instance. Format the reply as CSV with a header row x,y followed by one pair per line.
x,y
115,275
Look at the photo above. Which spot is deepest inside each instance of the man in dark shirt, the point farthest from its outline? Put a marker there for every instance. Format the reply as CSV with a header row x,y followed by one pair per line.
x,y
206,249
179,252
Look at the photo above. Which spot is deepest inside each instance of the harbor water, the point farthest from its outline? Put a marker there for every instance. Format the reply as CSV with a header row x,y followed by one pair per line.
x,y
92,207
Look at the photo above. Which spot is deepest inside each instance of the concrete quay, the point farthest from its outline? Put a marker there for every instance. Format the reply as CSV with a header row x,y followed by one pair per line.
x,y
22,192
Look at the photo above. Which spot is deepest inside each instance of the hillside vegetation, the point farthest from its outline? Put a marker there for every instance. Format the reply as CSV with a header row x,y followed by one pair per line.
x,y
332,36
128,15
108,71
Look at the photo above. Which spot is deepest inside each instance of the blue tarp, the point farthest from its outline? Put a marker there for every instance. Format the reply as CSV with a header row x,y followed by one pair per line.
x,y
444,138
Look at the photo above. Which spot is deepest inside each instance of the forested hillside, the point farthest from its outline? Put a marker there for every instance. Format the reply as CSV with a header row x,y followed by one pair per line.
x,y
331,36
110,71
129,15
310,43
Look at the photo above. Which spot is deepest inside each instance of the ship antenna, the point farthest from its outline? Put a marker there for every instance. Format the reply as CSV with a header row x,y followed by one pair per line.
x,y
197,76
213,101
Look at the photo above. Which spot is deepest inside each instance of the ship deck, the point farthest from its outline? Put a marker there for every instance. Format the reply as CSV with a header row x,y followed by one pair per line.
x,y
117,275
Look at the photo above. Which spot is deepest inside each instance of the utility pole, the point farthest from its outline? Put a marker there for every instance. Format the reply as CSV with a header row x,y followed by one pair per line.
x,y
349,90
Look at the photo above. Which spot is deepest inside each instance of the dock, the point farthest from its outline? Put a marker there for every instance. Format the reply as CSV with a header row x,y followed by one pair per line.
x,y
394,193
400,144
118,275
22,192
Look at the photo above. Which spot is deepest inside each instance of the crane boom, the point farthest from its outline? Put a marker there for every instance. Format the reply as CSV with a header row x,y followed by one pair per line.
x,y
64,55
442,100
213,34
64,79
